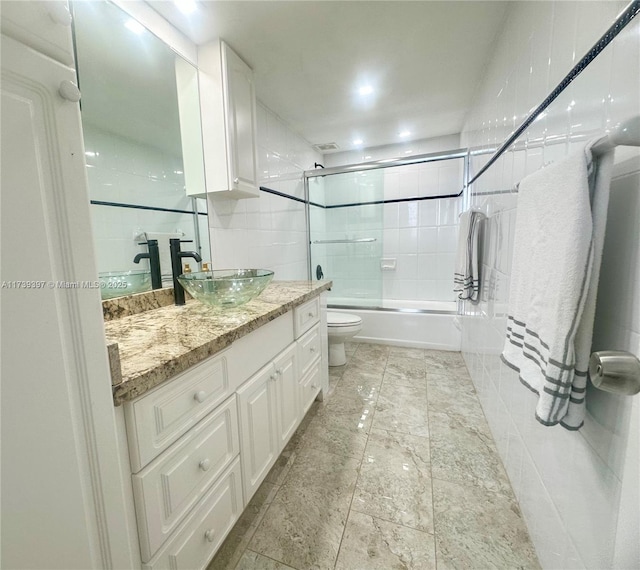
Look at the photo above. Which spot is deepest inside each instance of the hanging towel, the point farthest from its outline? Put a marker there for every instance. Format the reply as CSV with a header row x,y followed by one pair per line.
x,y
466,279
559,234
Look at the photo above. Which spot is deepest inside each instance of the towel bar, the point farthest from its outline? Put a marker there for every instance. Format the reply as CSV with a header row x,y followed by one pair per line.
x,y
615,371
626,134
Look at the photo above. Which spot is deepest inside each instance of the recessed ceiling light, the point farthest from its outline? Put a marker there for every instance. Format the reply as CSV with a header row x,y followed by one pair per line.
x,y
404,134
358,142
135,27
365,90
186,6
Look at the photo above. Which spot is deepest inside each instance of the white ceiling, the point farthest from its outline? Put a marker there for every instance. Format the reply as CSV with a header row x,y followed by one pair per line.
x,y
424,60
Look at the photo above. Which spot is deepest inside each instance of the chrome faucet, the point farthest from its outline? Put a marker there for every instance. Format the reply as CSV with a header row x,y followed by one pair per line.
x,y
176,266
154,262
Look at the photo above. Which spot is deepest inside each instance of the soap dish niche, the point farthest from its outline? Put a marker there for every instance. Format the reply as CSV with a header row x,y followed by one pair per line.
x,y
388,264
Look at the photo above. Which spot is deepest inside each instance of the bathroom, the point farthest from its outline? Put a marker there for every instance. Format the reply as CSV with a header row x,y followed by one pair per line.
x,y
576,492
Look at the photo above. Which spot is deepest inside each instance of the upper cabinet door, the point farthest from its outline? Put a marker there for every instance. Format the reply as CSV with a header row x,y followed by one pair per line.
x,y
229,132
241,112
42,25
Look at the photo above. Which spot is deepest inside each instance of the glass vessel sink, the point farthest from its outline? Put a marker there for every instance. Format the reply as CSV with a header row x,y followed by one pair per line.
x,y
226,287
120,283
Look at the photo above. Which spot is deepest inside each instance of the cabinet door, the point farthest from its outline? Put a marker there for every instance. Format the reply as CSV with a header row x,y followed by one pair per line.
x,y
259,441
241,116
288,393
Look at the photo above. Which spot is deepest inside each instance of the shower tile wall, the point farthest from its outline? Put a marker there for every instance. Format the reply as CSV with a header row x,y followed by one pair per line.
x,y
128,172
269,231
578,490
419,237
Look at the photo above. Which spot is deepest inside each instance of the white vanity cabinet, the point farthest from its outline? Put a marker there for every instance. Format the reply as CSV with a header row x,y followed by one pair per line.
x,y
269,406
229,124
201,443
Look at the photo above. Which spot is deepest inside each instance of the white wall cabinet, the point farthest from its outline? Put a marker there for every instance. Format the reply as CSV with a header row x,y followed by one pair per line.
x,y
201,444
229,124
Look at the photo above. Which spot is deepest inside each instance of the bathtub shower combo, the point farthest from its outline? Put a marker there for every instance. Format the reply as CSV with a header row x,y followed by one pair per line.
x,y
385,232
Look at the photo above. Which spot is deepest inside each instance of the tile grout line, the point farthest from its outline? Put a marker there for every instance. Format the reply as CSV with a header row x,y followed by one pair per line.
x,y
355,486
433,506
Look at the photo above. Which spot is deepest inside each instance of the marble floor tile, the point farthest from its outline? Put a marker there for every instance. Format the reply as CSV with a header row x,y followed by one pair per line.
x,y
355,376
304,524
350,347
475,528
368,364
403,371
254,561
406,352
465,455
403,409
445,362
238,539
395,480
374,544
456,397
353,400
340,434
372,351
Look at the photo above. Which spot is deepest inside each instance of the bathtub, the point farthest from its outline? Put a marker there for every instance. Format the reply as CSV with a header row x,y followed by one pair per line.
x,y
416,324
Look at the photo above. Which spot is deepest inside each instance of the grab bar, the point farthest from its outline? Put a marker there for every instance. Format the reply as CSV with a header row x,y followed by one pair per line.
x,y
361,240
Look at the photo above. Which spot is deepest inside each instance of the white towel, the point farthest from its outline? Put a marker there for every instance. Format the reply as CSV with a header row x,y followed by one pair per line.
x,y
466,279
559,233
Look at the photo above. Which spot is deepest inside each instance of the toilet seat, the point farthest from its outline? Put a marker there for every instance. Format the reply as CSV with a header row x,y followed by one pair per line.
x,y
338,320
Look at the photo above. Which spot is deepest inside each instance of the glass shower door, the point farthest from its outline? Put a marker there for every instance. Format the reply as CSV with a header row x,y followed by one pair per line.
x,y
346,231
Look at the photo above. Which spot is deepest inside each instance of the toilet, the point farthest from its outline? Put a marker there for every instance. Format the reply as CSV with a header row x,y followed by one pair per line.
x,y
341,327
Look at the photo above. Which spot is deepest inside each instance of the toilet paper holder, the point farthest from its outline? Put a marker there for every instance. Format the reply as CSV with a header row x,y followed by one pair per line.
x,y
615,371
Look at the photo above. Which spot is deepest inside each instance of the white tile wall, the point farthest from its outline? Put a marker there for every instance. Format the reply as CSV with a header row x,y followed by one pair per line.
x,y
124,171
268,231
578,490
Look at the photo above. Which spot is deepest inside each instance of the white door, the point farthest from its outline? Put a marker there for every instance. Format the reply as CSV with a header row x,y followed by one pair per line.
x,y
258,428
288,393
61,483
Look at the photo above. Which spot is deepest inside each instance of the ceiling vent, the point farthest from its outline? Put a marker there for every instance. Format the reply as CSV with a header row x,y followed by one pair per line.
x,y
326,147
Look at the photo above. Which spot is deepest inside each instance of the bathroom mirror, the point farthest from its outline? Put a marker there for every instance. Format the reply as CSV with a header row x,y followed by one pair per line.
x,y
143,142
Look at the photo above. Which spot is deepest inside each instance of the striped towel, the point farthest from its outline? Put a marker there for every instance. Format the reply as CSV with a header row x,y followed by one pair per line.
x,y
559,234
466,279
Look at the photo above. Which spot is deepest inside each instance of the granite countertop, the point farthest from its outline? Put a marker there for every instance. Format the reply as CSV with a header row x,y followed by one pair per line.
x,y
162,341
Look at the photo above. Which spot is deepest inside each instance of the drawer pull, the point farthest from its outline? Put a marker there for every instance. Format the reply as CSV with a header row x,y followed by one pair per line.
x,y
200,396
205,465
314,387
311,315
279,372
312,349
272,377
210,535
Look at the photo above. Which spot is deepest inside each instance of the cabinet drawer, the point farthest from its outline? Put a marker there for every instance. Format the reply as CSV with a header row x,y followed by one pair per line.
x,y
310,386
161,416
43,26
197,539
171,485
305,316
309,349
